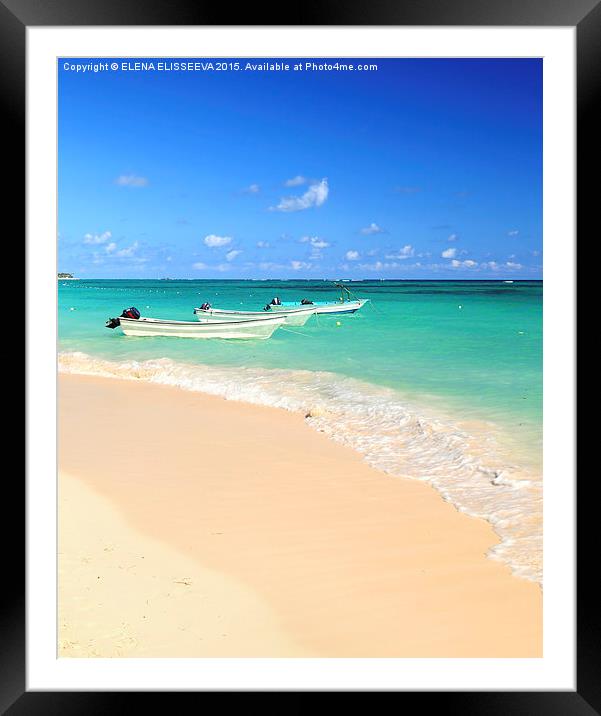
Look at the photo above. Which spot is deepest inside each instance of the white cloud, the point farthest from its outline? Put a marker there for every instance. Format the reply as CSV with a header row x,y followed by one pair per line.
x,y
128,252
297,265
468,263
512,265
449,253
404,253
231,255
97,238
315,195
315,242
351,255
270,266
373,228
452,237
263,244
373,267
213,241
381,266
252,189
109,248
491,265
131,180
513,232
201,266
298,180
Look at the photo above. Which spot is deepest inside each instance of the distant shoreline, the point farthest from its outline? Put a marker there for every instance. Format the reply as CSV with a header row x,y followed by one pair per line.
x,y
325,280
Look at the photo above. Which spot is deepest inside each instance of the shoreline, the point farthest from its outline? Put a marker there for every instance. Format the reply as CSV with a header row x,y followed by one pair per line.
x,y
345,560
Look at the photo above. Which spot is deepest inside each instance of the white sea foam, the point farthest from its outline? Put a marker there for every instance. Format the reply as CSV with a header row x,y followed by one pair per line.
x,y
467,463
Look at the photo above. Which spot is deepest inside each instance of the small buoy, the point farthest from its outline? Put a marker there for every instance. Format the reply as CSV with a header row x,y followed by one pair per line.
x,y
338,323
460,306
71,309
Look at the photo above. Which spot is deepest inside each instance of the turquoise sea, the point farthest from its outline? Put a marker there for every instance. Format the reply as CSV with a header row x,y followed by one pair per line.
x,y
435,380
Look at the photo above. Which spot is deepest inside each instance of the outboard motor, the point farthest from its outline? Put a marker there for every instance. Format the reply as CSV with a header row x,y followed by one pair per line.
x,y
306,302
205,307
131,312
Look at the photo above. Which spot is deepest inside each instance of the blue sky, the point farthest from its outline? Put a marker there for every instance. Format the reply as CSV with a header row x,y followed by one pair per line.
x,y
423,168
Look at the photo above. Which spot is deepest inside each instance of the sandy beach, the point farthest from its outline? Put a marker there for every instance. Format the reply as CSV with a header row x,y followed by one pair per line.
x,y
194,526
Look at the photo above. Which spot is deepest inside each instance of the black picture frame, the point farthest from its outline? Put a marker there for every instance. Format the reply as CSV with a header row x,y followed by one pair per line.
x,y
17,15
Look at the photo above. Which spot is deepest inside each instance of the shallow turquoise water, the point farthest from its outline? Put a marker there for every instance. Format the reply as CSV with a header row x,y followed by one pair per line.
x,y
476,346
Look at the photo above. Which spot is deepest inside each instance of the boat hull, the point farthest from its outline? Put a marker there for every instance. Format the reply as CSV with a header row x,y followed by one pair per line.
x,y
236,330
295,317
328,308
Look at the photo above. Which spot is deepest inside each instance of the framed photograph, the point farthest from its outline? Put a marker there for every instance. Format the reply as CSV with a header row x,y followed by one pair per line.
x,y
301,331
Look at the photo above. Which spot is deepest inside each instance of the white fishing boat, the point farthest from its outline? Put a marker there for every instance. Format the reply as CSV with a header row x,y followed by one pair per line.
x,y
293,317
321,307
241,329
345,304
